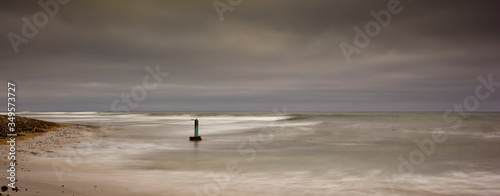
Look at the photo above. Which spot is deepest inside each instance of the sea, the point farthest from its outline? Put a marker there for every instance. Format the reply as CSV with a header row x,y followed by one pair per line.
x,y
301,153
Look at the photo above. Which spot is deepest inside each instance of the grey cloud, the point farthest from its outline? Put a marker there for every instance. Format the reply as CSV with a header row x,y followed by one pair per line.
x,y
264,54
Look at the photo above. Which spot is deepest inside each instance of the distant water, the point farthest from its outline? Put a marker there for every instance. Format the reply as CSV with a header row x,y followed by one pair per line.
x,y
299,154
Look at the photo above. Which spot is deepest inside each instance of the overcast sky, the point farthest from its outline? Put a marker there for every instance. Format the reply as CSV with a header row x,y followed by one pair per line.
x,y
263,55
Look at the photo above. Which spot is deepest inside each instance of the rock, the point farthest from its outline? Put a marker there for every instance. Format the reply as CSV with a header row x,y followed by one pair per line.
x,y
25,125
4,188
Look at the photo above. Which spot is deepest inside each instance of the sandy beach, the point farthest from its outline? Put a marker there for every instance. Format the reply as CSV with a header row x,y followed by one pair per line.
x,y
49,164
55,161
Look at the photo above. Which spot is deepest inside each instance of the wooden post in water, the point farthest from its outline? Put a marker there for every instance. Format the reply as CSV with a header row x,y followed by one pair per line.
x,y
196,128
196,137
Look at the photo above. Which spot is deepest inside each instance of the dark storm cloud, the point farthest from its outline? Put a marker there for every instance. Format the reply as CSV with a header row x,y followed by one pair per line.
x,y
265,54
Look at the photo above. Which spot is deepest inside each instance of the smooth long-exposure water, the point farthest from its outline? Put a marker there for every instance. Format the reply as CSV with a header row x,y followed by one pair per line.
x,y
298,154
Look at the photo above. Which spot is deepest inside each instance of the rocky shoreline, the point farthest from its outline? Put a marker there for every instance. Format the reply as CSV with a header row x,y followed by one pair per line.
x,y
26,127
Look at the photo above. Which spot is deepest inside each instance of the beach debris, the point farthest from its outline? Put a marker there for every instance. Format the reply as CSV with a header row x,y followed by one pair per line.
x,y
15,189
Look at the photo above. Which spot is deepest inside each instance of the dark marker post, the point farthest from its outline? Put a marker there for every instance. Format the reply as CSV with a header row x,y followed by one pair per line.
x,y
196,137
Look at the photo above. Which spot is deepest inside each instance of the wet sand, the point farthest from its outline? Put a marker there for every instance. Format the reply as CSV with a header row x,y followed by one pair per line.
x,y
53,163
